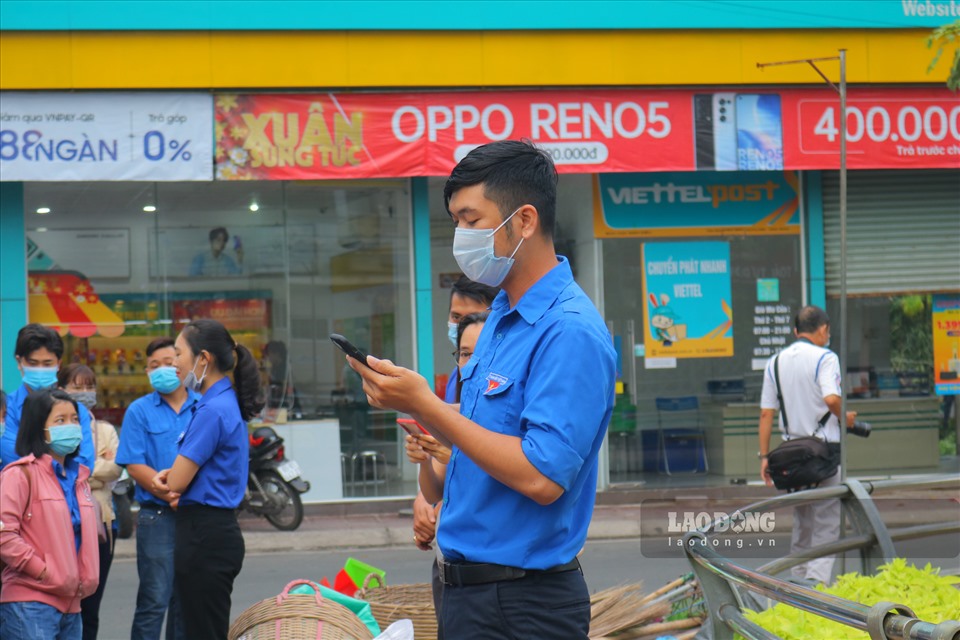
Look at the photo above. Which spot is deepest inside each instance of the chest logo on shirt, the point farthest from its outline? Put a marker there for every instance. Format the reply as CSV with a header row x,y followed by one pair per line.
x,y
494,380
180,437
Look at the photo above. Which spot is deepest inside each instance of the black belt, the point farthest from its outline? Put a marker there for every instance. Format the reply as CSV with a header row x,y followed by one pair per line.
x,y
461,574
155,506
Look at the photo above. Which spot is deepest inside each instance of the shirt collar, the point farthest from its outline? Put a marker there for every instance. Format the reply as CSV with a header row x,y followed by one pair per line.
x,y
541,296
69,465
192,398
219,387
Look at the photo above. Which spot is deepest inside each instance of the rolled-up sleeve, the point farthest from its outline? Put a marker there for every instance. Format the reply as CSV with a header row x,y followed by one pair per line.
x,y
568,399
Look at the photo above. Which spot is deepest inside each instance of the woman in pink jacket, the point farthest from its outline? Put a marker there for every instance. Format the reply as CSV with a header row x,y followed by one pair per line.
x,y
48,525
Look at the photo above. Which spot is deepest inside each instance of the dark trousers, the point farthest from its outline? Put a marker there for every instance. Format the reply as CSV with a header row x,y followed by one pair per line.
x,y
90,606
207,558
536,607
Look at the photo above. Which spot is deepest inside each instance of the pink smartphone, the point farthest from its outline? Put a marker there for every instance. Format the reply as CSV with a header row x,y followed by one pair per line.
x,y
411,426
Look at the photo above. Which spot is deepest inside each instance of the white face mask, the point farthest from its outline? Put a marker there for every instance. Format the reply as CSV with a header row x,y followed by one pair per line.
x,y
473,251
452,333
191,381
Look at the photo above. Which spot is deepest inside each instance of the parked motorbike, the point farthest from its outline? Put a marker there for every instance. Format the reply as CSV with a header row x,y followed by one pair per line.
x,y
122,505
274,485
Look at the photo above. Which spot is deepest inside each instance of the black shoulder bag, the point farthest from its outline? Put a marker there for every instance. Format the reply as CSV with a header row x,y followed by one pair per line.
x,y
801,463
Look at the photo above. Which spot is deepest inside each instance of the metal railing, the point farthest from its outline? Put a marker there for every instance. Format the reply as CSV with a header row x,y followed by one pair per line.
x,y
720,577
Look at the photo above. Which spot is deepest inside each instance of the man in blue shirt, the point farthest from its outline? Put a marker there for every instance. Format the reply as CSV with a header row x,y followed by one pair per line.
x,y
148,443
536,399
38,352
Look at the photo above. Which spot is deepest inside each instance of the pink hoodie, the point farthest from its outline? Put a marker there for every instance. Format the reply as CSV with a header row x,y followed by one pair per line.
x,y
40,536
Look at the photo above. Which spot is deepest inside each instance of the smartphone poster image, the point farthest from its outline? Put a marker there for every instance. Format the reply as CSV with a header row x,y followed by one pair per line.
x,y
759,132
715,131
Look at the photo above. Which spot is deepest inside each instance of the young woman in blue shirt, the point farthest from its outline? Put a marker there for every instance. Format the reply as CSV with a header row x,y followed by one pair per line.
x,y
210,474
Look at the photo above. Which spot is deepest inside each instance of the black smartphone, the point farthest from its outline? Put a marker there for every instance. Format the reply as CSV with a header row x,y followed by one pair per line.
x,y
347,347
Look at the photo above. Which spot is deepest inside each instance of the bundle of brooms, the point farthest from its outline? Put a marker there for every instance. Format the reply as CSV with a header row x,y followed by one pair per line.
x,y
626,613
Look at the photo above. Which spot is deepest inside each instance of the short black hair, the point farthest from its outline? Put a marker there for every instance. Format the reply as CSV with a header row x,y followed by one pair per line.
x,y
33,420
35,336
513,173
159,343
476,291
809,319
471,318
219,231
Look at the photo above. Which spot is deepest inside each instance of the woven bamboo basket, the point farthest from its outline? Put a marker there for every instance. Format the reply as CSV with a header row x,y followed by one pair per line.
x,y
405,601
298,617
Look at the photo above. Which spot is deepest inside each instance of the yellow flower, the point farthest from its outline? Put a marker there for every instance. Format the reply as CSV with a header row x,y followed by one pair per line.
x,y
226,102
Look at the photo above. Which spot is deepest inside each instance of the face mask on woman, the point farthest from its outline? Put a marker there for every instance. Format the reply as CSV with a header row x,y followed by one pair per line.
x,y
86,398
65,438
192,381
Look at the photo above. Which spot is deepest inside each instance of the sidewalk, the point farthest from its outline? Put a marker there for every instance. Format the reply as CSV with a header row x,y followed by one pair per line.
x,y
646,515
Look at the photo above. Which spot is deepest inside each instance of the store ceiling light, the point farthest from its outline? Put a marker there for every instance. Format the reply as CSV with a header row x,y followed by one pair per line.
x,y
43,210
149,208
254,207
41,229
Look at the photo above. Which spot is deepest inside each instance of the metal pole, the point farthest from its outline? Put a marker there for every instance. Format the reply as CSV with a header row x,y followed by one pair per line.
x,y
843,265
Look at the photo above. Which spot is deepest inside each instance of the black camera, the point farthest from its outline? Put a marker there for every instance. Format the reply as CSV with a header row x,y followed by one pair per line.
x,y
860,428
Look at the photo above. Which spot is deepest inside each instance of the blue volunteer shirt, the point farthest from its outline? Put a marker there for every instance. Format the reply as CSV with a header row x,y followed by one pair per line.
x,y
67,477
8,443
216,440
543,371
149,435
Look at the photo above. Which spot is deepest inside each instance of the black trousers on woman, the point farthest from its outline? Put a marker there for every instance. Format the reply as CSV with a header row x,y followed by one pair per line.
x,y
207,558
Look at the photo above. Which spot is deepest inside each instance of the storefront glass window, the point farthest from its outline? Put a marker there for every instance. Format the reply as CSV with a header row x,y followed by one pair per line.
x,y
282,265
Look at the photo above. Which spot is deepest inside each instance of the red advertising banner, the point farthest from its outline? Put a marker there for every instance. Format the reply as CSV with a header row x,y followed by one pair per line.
x,y
365,135
235,315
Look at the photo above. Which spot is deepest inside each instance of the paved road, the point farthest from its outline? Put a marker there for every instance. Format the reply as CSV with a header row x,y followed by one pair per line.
x,y
606,564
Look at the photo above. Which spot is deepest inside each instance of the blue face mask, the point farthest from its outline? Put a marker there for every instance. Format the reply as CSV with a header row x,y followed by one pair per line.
x,y
39,377
452,333
474,253
164,379
64,439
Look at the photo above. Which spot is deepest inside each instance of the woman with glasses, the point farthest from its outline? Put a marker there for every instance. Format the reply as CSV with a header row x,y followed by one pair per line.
x,y
430,454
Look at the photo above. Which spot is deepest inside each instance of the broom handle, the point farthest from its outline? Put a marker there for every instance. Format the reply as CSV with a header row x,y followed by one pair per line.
x,y
662,590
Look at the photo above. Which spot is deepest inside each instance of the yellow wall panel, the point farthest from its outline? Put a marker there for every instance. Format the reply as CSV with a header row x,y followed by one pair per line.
x,y
27,62
403,59
106,60
279,59
264,59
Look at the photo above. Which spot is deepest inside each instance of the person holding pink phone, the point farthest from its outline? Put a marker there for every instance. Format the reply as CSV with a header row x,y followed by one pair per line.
x,y
433,457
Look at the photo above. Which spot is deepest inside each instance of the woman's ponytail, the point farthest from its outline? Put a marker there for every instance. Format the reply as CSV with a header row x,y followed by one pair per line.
x,y
246,380
213,337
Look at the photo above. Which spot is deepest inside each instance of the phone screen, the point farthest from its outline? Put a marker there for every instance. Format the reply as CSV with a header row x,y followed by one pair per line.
x,y
759,132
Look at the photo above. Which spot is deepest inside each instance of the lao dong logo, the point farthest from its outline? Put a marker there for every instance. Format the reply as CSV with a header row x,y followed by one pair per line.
x,y
736,522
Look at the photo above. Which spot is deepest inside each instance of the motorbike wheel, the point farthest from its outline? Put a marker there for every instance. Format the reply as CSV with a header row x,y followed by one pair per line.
x,y
121,504
290,517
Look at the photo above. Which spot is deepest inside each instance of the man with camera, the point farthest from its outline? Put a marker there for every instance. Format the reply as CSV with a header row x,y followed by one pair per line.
x,y
803,384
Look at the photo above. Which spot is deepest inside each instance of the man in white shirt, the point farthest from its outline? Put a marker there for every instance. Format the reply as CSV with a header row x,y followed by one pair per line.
x,y
810,382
